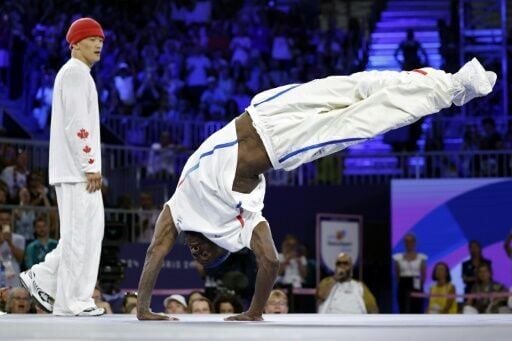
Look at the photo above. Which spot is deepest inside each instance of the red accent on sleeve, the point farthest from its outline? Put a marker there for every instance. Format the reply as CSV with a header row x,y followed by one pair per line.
x,y
87,149
82,134
91,161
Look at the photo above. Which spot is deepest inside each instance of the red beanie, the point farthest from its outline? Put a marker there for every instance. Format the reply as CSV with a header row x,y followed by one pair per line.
x,y
84,28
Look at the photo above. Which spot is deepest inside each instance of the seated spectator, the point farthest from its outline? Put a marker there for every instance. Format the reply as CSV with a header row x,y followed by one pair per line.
x,y
227,304
443,286
43,99
469,267
37,190
18,301
341,294
161,156
175,304
12,250
4,293
24,217
277,303
293,265
129,301
15,177
200,305
194,295
100,301
147,218
485,284
39,248
410,270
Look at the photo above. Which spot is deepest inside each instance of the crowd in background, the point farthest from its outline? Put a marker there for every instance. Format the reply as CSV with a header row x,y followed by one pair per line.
x,y
202,60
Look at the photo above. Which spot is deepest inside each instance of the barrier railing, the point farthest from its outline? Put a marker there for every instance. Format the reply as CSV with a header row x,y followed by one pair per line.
x,y
347,167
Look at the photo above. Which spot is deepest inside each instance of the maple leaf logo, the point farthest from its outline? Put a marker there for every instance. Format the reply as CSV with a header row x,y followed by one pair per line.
x,y
82,133
91,161
87,149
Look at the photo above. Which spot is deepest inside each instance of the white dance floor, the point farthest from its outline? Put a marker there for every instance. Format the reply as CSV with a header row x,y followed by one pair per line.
x,y
275,327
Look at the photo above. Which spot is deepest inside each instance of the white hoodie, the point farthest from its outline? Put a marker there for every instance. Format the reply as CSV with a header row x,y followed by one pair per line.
x,y
75,128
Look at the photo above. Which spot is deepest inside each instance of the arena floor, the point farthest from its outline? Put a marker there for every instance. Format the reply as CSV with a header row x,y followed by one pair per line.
x,y
275,327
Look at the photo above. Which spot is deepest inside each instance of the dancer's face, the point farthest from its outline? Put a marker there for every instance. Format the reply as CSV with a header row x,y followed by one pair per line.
x,y
202,249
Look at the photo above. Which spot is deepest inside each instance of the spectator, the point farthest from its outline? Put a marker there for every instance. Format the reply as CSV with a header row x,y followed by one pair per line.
x,y
194,295
227,304
486,285
200,305
43,99
410,49
129,302
341,294
410,270
443,286
277,303
99,300
24,217
37,190
18,301
124,83
469,267
12,249
161,156
4,293
15,177
197,68
293,265
39,248
147,218
175,304
214,99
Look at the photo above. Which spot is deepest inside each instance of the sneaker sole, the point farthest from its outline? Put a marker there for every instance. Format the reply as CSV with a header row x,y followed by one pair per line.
x,y
41,305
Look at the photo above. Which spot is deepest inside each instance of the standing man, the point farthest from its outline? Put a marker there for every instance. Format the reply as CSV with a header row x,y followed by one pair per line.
x,y
64,282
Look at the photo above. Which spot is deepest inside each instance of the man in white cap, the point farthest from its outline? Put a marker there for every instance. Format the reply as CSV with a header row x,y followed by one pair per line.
x,y
64,283
175,304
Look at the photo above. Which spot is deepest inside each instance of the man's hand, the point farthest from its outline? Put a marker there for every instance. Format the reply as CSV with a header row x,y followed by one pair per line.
x,y
150,316
93,182
244,317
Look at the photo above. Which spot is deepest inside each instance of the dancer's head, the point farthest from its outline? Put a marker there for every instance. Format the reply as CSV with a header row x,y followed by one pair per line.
x,y
204,251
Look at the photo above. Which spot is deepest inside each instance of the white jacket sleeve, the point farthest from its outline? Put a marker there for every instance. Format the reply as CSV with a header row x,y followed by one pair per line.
x,y
78,121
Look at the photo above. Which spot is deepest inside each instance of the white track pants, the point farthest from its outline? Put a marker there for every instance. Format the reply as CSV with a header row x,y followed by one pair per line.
x,y
299,123
69,272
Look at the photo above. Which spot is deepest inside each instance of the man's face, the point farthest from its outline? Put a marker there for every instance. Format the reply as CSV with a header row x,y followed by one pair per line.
x,y
343,270
90,49
41,229
174,307
20,301
202,249
276,305
5,219
484,275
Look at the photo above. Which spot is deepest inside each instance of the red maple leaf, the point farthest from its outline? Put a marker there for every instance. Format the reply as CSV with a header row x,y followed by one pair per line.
x,y
82,133
87,149
91,161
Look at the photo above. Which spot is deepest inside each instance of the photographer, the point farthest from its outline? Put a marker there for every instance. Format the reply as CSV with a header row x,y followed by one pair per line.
x,y
12,249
